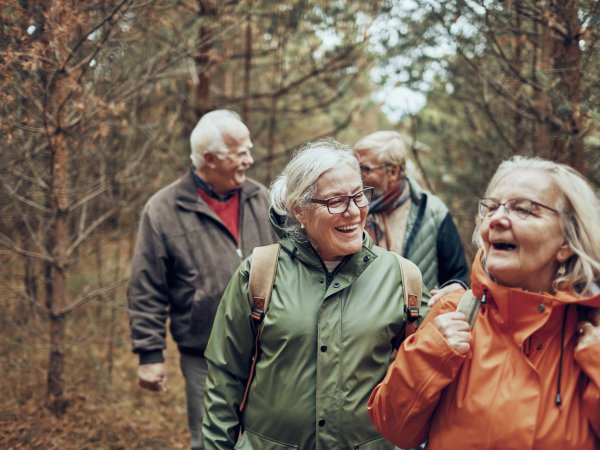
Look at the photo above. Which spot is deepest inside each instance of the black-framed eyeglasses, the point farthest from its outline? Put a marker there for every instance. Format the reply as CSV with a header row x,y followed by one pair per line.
x,y
340,204
515,207
367,170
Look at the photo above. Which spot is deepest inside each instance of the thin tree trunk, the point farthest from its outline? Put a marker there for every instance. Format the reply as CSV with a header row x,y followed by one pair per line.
x,y
208,10
543,133
112,325
567,62
247,63
58,277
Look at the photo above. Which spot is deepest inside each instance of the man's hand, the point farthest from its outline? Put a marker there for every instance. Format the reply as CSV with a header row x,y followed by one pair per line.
x,y
589,332
436,294
153,376
455,329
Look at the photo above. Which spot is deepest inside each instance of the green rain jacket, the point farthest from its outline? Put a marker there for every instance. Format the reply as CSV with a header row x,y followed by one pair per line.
x,y
326,342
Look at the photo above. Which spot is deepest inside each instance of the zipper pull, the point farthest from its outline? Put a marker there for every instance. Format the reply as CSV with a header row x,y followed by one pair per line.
x,y
239,252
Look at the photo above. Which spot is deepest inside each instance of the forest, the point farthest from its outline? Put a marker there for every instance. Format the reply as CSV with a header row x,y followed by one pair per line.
x,y
98,99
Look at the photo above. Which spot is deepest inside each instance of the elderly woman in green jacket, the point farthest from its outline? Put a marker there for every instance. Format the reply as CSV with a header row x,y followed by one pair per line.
x,y
336,316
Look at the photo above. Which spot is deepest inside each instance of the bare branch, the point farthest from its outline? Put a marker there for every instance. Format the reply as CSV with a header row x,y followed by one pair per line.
x,y
80,301
89,229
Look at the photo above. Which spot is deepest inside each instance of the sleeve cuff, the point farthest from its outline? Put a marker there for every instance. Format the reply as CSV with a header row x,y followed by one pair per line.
x,y
151,357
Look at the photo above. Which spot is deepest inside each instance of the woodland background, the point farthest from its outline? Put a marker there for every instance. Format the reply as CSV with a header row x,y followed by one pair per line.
x,y
98,99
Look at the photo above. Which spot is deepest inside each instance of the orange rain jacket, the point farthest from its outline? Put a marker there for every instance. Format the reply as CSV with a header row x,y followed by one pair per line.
x,y
502,394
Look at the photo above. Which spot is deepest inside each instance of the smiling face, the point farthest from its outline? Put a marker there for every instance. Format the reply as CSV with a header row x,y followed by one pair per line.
x,y
525,253
380,176
228,172
335,235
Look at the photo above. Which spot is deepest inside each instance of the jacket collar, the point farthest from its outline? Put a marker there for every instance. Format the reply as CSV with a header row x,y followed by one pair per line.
x,y
522,311
351,266
187,196
416,193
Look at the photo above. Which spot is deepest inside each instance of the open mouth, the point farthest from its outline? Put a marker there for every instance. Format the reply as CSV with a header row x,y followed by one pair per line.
x,y
347,229
504,246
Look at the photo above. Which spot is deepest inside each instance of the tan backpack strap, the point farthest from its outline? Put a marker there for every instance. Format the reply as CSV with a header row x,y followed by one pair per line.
x,y
260,285
469,306
262,276
412,282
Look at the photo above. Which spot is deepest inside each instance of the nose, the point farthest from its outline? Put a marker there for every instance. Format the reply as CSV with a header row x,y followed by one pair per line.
x,y
248,159
352,209
499,216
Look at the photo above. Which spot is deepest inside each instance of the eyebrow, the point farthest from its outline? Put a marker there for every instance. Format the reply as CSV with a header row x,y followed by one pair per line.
x,y
339,194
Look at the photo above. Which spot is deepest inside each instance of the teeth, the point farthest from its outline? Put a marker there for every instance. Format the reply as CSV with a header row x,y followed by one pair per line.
x,y
349,228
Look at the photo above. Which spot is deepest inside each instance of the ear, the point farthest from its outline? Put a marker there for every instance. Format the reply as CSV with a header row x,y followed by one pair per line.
x,y
564,253
394,172
300,216
210,159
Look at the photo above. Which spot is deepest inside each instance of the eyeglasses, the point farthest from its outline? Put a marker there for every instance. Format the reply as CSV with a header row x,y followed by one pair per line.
x,y
238,156
367,170
515,207
242,153
340,204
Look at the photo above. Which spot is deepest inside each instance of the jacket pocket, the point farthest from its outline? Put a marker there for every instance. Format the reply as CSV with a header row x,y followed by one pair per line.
x,y
254,441
376,443
200,316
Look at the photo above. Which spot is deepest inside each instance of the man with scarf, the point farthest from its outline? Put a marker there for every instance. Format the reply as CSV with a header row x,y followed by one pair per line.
x,y
405,219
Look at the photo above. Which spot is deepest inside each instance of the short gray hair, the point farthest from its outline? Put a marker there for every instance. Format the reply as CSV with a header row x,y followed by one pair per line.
x,y
207,136
391,146
579,210
293,189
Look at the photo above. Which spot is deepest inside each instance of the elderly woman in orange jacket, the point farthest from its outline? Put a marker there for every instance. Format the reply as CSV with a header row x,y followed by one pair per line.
x,y
527,375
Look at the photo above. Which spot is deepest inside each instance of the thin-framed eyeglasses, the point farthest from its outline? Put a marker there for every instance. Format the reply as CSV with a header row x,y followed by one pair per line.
x,y
367,170
340,203
242,153
515,207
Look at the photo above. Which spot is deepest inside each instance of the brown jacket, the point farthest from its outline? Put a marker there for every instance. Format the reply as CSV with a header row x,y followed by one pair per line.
x,y
502,395
183,260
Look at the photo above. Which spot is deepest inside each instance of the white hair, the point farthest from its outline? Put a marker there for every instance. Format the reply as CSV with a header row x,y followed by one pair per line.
x,y
207,136
293,189
391,147
579,210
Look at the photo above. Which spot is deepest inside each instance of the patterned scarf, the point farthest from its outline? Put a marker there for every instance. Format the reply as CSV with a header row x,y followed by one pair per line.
x,y
390,200
383,204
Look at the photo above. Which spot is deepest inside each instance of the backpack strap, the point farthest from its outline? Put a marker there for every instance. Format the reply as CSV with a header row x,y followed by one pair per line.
x,y
260,286
262,276
469,306
412,283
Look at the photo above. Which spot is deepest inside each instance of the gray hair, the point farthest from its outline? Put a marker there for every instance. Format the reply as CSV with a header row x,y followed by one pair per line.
x,y
207,136
579,210
293,189
391,146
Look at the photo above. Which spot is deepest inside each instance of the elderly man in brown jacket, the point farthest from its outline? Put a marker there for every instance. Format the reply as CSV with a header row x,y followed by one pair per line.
x,y
193,235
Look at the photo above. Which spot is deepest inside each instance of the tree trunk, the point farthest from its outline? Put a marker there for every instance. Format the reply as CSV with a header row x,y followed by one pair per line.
x,y
567,64
247,63
208,9
542,128
58,277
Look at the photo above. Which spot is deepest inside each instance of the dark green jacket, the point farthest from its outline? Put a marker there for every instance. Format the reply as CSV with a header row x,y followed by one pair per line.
x,y
326,343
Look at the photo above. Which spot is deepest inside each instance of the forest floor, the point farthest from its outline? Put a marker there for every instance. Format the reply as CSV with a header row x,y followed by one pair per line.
x,y
106,407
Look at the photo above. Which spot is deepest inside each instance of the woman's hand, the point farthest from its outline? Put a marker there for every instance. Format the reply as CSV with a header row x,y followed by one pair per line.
x,y
436,294
455,329
589,331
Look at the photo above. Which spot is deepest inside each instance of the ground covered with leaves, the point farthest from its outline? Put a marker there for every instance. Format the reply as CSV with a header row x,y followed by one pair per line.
x,y
106,409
